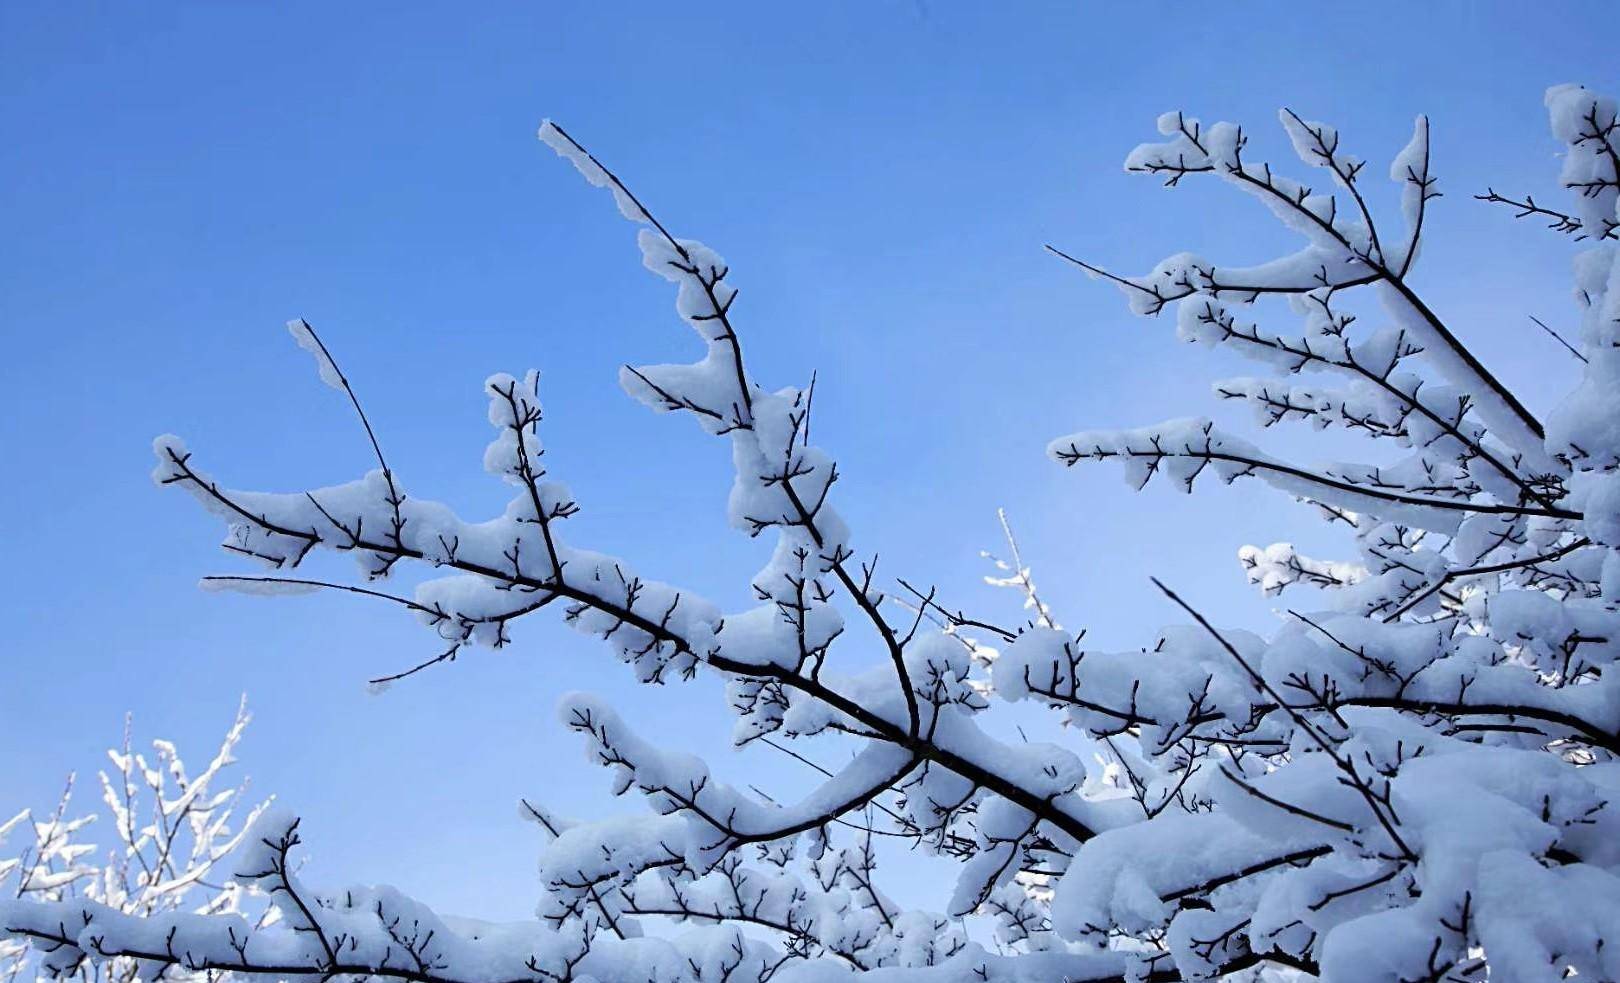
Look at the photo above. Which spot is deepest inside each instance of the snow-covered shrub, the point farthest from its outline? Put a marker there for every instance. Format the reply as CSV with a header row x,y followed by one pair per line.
x,y
1411,780
159,849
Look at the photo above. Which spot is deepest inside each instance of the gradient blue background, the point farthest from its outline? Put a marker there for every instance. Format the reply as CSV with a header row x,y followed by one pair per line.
x,y
176,180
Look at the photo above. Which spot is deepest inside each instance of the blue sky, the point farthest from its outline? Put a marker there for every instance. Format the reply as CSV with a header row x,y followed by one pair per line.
x,y
179,179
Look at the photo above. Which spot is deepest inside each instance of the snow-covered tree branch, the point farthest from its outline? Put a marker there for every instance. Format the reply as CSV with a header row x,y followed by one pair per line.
x,y
172,832
1410,779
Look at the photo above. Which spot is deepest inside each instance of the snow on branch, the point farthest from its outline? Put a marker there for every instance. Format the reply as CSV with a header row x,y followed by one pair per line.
x,y
1410,777
166,837
1471,638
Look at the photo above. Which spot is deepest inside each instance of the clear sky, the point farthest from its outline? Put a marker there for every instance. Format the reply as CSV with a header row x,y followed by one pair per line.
x,y
178,179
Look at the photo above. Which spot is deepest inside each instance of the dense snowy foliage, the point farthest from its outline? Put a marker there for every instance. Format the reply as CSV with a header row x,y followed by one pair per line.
x,y
1409,780
160,846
